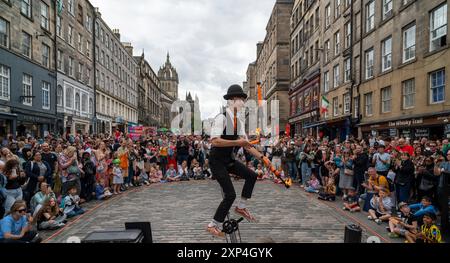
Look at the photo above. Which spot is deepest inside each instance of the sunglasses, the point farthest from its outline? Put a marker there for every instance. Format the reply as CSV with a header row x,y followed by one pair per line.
x,y
21,210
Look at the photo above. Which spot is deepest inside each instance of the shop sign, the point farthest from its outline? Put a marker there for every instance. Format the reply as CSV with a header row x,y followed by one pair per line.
x,y
447,129
393,132
406,133
405,122
304,116
421,133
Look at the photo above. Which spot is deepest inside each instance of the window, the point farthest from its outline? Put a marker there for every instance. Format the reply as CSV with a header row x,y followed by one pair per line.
x,y
80,43
59,26
348,35
386,59
88,49
25,8
91,106
317,17
4,82
368,104
26,44
27,90
45,95
45,24
96,29
337,8
386,98
370,16
387,9
437,85
327,51
409,94
347,103
356,107
71,7
80,15
369,63
102,58
84,103
59,58
80,72
71,66
45,55
438,27
69,98
59,96
4,33
409,43
88,76
337,77
337,43
89,23
335,106
327,15
96,53
326,81
347,69
77,101
70,35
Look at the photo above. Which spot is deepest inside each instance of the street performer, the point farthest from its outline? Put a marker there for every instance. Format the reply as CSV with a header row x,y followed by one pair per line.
x,y
228,136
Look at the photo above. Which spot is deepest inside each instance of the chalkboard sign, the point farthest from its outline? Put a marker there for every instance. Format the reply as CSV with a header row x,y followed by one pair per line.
x,y
425,132
393,132
447,129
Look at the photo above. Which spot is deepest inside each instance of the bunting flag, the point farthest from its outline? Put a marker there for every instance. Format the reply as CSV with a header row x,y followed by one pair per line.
x,y
325,103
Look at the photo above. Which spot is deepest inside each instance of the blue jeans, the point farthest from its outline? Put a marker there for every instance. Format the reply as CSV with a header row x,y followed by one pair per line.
x,y
12,195
306,172
403,192
181,158
75,212
292,169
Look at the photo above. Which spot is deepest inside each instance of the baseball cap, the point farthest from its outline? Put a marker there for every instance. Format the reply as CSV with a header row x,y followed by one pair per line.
x,y
401,204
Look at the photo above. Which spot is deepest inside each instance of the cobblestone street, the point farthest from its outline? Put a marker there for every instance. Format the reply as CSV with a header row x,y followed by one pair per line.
x,y
179,213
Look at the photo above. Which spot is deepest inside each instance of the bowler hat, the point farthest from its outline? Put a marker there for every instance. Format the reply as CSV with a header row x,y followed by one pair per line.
x,y
235,91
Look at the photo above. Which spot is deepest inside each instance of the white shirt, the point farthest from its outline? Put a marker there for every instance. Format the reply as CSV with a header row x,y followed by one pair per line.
x,y
220,123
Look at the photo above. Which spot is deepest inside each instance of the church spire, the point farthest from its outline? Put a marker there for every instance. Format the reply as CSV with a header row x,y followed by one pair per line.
x,y
168,58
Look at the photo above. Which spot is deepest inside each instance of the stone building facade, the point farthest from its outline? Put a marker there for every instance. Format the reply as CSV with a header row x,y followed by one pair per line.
x,y
27,68
116,79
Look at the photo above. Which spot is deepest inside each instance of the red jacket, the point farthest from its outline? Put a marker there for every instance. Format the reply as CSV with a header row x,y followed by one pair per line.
x,y
406,148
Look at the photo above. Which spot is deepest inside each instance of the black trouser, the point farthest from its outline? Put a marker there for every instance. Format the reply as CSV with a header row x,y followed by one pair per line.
x,y
221,170
27,238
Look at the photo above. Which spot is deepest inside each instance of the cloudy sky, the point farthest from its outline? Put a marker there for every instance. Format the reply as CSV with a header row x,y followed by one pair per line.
x,y
211,42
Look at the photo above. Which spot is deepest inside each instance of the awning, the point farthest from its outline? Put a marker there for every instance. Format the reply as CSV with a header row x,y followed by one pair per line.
x,y
313,125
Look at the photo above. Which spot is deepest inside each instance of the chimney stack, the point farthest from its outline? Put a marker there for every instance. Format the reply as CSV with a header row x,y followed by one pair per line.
x,y
117,33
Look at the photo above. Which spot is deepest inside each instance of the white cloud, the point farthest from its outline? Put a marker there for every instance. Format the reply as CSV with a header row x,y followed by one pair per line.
x,y
211,42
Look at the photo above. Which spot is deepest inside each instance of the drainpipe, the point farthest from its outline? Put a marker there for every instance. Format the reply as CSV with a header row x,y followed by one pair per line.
x,y
94,126
352,79
55,58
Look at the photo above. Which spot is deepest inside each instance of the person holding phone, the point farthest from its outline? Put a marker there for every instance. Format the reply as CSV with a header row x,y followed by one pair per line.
x,y
16,226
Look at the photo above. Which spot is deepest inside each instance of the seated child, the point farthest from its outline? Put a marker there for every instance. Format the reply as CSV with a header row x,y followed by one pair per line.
x,y
159,173
143,177
206,170
183,172
197,171
329,191
381,207
261,172
50,216
351,202
71,203
406,223
102,192
313,185
154,177
429,232
171,174
276,179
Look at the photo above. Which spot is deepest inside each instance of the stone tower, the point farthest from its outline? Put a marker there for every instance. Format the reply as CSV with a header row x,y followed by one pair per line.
x,y
168,77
